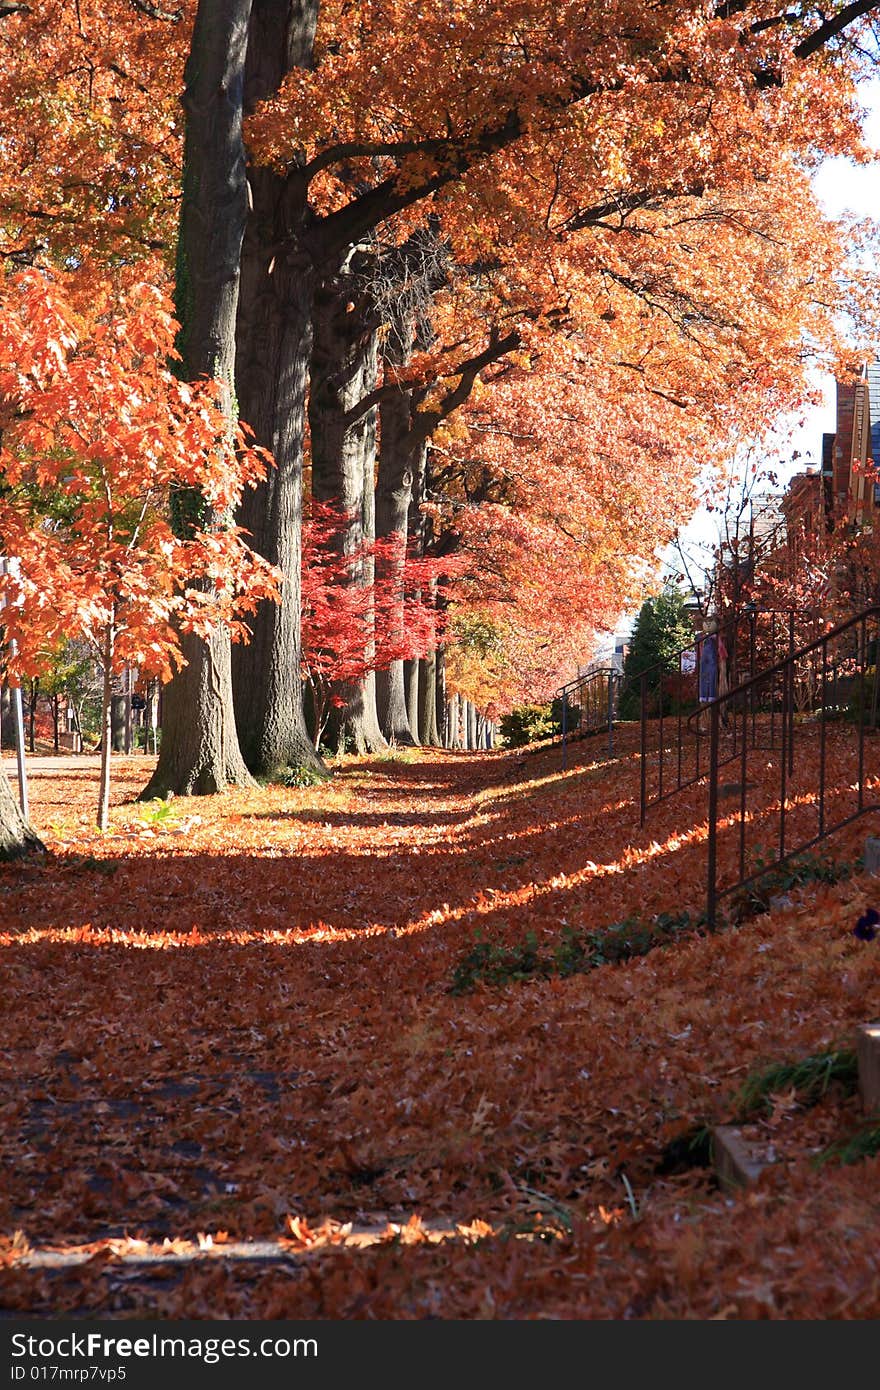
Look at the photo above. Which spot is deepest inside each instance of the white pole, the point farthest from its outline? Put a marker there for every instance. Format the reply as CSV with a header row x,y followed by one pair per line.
x,y
10,566
18,711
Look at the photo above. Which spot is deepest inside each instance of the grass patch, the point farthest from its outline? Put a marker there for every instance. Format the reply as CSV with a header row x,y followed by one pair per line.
x,y
810,1078
398,753
159,813
864,1143
575,953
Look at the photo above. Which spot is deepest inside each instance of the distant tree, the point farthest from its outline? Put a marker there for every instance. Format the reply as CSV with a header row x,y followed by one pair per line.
x,y
350,630
661,630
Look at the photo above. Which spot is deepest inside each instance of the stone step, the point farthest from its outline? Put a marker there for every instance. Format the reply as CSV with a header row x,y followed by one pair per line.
x,y
868,1053
872,855
738,1162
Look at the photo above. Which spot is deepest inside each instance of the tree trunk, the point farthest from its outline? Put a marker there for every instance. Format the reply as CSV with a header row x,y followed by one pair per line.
x,y
428,731
393,497
440,697
56,723
452,716
414,670
7,717
471,725
344,370
17,838
107,701
273,347
117,723
411,688
200,752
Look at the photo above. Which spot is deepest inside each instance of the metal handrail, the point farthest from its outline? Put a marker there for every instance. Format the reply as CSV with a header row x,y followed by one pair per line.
x,y
688,728
604,716
741,700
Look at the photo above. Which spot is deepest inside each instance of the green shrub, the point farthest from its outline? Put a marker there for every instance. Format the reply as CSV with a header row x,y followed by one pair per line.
x,y
302,775
528,724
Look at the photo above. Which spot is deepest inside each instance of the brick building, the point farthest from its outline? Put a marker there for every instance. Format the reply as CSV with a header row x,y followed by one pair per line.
x,y
854,447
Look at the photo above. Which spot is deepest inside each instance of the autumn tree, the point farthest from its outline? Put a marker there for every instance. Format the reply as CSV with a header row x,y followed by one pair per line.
x,y
595,127
96,432
200,750
352,630
350,170
273,353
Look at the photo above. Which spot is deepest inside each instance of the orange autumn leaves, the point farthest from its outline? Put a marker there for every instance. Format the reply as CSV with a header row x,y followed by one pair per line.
x,y
97,432
329,1076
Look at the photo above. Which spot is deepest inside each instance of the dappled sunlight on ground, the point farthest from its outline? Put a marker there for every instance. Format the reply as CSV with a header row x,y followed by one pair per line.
x,y
175,1077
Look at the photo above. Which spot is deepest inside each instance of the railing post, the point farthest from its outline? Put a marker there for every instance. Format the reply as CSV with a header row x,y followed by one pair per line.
x,y
712,860
791,695
863,666
643,748
610,713
823,736
783,757
564,720
753,619
874,683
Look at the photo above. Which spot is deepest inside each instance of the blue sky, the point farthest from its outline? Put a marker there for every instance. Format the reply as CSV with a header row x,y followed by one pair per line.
x,y
844,187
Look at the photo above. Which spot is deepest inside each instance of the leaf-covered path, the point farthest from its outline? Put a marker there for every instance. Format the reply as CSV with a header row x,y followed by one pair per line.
x,y
235,1026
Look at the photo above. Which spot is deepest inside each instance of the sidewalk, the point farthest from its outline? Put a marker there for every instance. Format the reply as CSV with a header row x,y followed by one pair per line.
x,y
38,763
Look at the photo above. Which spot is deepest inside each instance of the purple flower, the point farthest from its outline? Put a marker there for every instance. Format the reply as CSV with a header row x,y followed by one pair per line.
x,y
866,927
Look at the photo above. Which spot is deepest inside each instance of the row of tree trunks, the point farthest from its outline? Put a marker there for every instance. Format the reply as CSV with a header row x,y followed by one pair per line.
x,y
466,727
270,299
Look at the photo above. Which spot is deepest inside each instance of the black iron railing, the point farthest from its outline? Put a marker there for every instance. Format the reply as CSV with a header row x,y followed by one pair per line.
x,y
588,706
674,696
822,699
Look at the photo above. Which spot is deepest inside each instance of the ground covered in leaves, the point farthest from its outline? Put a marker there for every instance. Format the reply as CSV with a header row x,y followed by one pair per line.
x,y
342,1052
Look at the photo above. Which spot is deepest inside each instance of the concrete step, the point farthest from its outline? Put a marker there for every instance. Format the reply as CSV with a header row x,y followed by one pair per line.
x,y
872,855
868,1053
738,1161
